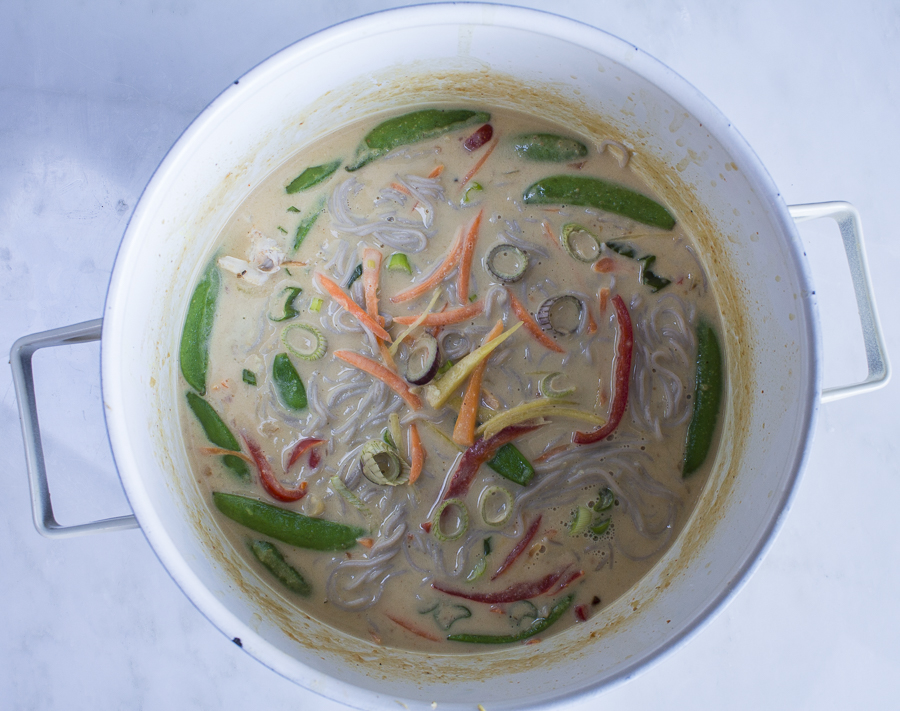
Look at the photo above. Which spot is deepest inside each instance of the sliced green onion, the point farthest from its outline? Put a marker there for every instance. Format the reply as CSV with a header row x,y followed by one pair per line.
x,y
547,388
399,262
601,527
507,262
249,377
474,187
606,500
316,305
341,488
380,464
288,312
477,571
315,341
445,366
650,278
580,243
502,512
438,530
583,517
394,429
292,209
357,273
561,314
281,229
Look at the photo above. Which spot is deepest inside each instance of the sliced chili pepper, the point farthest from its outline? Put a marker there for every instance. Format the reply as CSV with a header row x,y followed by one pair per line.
x,y
479,138
582,612
314,459
568,580
624,350
301,448
273,487
514,593
519,547
478,454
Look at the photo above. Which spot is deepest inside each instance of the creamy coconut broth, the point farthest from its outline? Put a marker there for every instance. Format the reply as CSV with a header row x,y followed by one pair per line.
x,y
437,534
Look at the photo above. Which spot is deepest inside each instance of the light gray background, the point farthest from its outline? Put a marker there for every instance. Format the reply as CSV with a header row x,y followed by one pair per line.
x,y
92,95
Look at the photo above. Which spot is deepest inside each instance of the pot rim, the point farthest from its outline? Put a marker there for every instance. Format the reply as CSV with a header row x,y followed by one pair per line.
x,y
525,19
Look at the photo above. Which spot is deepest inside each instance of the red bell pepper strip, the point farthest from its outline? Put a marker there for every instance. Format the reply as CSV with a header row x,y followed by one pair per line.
x,y
301,448
519,547
273,487
479,138
624,350
514,593
479,453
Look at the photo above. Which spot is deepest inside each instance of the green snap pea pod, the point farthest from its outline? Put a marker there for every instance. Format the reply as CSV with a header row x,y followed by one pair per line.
x,y
549,147
707,397
288,312
511,464
306,224
284,572
539,625
238,466
412,128
194,352
587,191
288,384
216,430
287,526
312,176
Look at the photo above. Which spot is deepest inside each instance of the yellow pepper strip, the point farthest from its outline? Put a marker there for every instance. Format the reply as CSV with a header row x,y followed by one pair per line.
x,y
533,409
438,391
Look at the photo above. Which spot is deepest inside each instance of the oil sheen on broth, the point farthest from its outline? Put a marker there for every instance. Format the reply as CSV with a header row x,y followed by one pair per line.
x,y
505,532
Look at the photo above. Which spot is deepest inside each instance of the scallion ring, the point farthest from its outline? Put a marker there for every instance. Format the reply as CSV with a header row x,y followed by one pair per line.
x,y
380,464
548,388
582,519
561,314
580,243
462,520
492,513
507,262
315,345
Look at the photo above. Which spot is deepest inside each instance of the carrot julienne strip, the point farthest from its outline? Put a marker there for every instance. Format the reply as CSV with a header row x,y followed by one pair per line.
x,y
349,304
450,261
478,165
219,450
464,430
438,169
603,297
409,627
533,328
465,262
377,370
447,317
371,267
416,453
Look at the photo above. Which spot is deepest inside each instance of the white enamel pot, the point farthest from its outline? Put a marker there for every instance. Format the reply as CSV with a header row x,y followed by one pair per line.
x,y
472,55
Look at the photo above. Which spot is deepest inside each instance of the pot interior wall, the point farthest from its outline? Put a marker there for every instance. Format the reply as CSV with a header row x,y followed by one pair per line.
x,y
472,55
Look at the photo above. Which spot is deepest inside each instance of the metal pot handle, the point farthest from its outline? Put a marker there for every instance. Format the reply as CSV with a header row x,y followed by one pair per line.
x,y
23,379
848,221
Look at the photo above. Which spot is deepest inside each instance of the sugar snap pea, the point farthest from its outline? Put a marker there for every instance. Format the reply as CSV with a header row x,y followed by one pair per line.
x,y
306,224
593,192
312,176
548,147
536,627
273,561
288,384
511,464
216,430
707,398
287,526
194,351
237,466
412,128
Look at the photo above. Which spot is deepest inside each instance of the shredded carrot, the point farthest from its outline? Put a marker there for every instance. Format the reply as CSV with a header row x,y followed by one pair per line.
x,y
450,261
371,268
604,298
416,453
549,234
389,378
386,355
478,165
412,628
219,450
592,325
464,430
401,188
436,330
366,542
533,328
447,316
438,169
465,261
349,304
605,265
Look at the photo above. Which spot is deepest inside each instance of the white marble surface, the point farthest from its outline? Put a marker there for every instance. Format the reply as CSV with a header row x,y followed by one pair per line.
x,y
91,97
